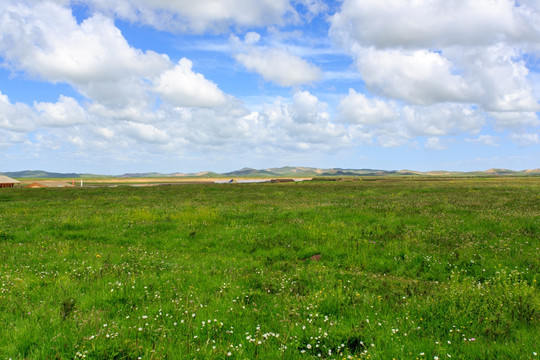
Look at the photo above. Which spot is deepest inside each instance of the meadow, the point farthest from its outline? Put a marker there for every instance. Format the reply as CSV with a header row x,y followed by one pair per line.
x,y
377,268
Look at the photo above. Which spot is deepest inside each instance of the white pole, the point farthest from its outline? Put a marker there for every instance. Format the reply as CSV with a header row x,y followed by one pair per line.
x,y
81,183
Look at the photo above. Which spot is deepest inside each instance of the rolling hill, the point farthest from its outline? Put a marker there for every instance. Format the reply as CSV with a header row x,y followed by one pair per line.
x,y
286,171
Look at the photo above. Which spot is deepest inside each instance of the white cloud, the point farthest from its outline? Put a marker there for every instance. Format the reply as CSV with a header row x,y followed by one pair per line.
x,y
45,140
515,120
128,111
394,124
16,117
419,77
10,138
424,52
442,119
388,135
105,133
251,38
356,108
433,24
435,143
526,139
423,78
146,132
182,87
299,124
313,7
65,112
490,77
45,40
75,140
488,140
198,16
279,67
497,77
306,108
274,64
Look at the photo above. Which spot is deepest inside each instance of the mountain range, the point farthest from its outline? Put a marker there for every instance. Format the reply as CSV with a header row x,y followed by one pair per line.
x,y
286,171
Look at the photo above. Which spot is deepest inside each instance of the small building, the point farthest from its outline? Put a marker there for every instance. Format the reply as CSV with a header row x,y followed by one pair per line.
x,y
7,182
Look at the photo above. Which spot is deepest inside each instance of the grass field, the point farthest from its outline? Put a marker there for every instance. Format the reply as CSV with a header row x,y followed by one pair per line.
x,y
395,268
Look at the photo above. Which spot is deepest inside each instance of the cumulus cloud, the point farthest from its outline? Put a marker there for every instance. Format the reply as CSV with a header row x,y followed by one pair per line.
x,y
146,132
280,67
182,87
16,117
66,112
429,53
199,16
432,70
45,40
274,64
306,108
428,24
490,77
356,108
390,123
442,119
419,77
498,77
298,124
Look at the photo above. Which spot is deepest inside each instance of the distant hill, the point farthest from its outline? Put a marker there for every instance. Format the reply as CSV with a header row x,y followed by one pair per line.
x,y
39,174
286,171
252,173
144,175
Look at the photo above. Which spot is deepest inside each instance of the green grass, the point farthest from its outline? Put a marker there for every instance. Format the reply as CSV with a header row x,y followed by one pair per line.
x,y
409,268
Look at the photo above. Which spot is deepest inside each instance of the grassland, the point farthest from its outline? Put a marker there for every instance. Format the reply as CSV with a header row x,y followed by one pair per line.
x,y
404,269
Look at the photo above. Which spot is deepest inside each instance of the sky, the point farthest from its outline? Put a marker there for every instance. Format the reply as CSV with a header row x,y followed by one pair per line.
x,y
113,87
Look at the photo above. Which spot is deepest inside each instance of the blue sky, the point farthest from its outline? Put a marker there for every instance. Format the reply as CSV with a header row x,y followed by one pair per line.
x,y
180,86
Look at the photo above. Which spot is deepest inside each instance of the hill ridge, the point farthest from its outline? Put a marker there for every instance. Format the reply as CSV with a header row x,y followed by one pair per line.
x,y
299,171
